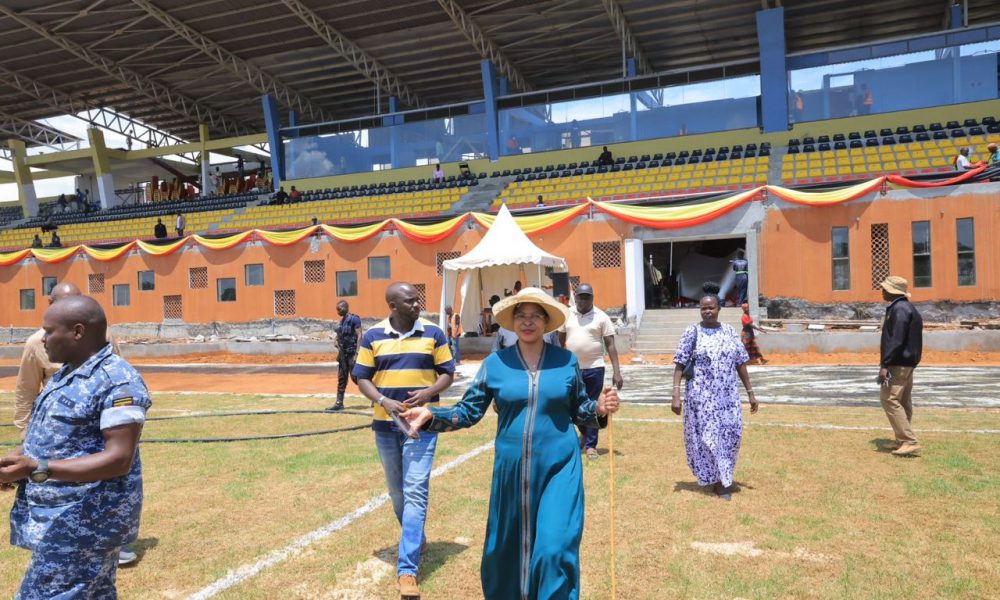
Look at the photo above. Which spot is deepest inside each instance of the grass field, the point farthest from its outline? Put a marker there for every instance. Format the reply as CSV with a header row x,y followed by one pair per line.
x,y
822,513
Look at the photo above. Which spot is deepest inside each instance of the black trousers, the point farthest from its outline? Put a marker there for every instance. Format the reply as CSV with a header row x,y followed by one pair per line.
x,y
345,364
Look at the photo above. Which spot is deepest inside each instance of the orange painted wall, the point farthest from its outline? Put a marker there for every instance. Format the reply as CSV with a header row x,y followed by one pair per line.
x,y
796,249
284,269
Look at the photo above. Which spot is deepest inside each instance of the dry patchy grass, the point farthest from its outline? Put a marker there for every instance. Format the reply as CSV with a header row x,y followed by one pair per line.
x,y
822,513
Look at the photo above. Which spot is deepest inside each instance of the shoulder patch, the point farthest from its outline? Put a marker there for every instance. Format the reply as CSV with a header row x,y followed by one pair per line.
x,y
126,401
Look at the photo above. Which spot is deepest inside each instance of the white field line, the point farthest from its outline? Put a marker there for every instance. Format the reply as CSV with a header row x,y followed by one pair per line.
x,y
296,546
820,426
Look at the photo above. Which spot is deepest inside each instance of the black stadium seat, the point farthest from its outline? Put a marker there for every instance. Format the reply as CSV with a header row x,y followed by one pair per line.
x,y
935,127
854,135
969,123
840,145
923,136
838,137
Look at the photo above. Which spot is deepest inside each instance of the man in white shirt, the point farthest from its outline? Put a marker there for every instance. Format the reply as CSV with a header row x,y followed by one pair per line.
x,y
962,162
588,332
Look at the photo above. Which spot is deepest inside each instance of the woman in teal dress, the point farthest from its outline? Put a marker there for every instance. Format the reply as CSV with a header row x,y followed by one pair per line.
x,y
532,547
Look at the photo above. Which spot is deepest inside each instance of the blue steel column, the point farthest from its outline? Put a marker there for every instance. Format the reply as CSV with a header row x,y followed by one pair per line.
x,y
773,71
490,100
389,121
955,16
633,123
272,120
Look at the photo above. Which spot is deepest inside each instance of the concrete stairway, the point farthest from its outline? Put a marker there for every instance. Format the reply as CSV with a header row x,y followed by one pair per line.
x,y
480,197
661,329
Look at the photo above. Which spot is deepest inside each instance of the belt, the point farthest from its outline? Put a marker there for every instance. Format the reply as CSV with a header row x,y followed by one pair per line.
x,y
742,272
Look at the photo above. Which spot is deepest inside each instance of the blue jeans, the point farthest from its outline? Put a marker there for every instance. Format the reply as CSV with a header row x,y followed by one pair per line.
x,y
407,464
456,352
593,380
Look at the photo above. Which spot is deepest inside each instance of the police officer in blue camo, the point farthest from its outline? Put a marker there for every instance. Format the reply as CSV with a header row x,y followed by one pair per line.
x,y
79,494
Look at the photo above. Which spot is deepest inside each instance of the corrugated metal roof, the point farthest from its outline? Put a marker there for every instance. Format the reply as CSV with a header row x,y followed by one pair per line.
x,y
549,42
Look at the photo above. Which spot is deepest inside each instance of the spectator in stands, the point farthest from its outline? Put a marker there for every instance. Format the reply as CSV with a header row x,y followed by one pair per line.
x,y
605,158
280,197
799,104
867,99
62,202
295,195
214,182
55,242
179,224
37,242
86,199
994,155
574,134
962,162
454,333
513,146
159,230
79,197
540,202
438,173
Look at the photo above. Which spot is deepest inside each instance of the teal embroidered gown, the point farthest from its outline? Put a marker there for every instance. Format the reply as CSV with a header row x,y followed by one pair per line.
x,y
532,547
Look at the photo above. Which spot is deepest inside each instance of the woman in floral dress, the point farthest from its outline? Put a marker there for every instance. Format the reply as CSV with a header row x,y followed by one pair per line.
x,y
713,419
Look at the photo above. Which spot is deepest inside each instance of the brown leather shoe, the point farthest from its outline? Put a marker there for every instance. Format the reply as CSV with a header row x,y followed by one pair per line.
x,y
907,449
408,589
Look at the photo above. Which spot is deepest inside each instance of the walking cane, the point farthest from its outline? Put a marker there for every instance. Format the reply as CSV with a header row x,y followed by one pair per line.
x,y
611,474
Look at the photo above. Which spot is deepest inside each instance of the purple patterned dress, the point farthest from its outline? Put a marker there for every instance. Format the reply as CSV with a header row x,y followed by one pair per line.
x,y
713,419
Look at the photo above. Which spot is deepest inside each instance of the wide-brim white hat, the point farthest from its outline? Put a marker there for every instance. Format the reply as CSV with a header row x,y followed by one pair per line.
x,y
503,311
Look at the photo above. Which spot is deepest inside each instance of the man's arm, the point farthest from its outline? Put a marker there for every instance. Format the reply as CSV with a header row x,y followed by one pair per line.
x,y
360,328
114,461
29,384
616,371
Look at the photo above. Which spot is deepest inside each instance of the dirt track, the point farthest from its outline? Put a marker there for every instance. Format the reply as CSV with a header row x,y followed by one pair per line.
x,y
312,383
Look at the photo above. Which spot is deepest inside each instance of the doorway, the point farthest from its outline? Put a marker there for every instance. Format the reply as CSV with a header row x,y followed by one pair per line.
x,y
676,271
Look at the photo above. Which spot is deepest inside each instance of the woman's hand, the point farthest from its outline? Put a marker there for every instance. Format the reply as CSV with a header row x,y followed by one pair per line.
x,y
753,402
675,401
417,416
607,402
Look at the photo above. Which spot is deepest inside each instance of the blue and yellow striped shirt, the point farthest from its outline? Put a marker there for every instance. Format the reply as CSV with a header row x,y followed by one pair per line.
x,y
398,363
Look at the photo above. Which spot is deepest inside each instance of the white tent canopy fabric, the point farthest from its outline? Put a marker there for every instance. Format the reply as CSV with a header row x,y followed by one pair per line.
x,y
500,258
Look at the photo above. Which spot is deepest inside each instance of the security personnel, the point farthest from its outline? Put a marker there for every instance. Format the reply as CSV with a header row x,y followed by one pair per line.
x,y
79,494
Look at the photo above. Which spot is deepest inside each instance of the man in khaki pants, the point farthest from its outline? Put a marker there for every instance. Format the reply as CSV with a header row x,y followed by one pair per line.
x,y
902,343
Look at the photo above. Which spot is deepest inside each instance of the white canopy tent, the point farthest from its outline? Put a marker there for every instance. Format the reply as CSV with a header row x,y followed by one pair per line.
x,y
500,259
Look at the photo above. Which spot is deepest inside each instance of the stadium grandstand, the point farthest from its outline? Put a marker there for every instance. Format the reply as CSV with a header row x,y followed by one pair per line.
x,y
577,115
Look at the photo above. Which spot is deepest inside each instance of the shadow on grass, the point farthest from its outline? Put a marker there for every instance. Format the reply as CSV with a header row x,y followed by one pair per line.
x,y
604,451
709,490
141,547
883,445
433,557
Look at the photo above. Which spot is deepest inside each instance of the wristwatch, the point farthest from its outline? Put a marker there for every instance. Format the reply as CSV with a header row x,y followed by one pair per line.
x,y
41,473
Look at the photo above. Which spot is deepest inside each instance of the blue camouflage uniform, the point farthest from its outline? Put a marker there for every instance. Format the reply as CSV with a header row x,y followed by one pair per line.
x,y
74,530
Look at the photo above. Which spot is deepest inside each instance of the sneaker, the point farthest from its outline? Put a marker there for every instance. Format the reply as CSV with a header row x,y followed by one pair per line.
x,y
126,557
592,453
907,449
408,589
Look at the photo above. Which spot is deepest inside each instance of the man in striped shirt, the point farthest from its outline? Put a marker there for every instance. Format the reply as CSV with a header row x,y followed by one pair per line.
x,y
404,361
